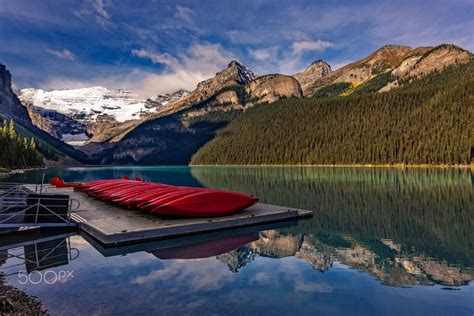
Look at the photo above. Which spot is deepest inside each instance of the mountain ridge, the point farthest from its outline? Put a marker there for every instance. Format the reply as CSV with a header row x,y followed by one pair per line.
x,y
193,118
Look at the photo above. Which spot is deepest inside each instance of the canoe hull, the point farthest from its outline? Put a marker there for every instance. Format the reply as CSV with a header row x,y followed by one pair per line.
x,y
163,199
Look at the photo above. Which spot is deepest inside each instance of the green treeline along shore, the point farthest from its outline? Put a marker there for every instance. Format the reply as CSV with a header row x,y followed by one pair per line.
x,y
428,121
17,150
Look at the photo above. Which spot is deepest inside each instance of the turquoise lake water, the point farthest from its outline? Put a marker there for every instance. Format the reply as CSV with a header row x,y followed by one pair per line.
x,y
381,242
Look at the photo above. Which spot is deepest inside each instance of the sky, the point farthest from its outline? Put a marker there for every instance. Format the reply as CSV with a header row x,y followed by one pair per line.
x,y
154,47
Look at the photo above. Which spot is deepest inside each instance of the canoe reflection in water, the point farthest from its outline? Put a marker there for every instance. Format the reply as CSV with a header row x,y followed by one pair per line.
x,y
205,249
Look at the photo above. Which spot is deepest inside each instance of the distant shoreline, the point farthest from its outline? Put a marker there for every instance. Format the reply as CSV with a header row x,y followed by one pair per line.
x,y
5,172
397,166
280,165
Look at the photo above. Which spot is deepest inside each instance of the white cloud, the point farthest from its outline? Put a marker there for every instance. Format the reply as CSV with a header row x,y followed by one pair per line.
x,y
263,54
200,62
300,47
184,13
63,54
191,273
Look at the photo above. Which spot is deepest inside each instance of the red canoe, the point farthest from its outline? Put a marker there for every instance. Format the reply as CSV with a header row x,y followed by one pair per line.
x,y
163,199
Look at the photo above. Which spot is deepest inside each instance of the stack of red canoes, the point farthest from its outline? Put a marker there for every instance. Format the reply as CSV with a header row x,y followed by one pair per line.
x,y
164,199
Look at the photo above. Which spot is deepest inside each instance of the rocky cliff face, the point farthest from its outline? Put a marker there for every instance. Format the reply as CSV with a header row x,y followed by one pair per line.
x,y
317,70
10,106
58,125
271,88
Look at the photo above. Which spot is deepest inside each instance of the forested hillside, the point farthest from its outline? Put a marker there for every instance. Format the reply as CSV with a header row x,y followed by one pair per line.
x,y
16,150
428,121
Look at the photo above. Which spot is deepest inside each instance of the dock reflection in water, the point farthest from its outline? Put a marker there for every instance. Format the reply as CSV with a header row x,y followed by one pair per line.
x,y
35,250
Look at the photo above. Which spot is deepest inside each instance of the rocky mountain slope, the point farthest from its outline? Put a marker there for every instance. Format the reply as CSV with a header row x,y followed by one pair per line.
x,y
180,128
317,70
11,107
77,115
389,67
356,73
163,99
235,74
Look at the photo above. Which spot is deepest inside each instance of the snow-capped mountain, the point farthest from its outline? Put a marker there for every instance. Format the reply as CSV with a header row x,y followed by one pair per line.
x,y
87,103
75,115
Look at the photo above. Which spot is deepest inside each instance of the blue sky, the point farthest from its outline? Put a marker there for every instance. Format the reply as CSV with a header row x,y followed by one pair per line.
x,y
160,46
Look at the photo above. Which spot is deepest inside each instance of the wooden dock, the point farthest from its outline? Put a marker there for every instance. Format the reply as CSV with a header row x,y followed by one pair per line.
x,y
112,225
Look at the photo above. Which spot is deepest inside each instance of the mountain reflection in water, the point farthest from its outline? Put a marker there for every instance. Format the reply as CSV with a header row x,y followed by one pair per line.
x,y
401,268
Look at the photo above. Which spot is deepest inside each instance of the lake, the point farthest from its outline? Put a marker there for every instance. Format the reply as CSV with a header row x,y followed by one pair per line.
x,y
381,241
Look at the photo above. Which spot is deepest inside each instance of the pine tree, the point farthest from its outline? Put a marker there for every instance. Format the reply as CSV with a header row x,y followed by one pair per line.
x,y
4,129
11,130
32,144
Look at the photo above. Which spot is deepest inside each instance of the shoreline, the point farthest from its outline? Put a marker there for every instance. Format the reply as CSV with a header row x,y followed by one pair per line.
x,y
395,166
16,301
4,172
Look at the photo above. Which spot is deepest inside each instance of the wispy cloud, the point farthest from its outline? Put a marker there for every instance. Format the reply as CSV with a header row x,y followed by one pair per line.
x,y
62,54
164,58
300,47
107,36
184,13
200,62
282,60
97,9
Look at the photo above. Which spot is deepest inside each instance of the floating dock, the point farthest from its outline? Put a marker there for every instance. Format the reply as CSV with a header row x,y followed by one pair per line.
x,y
112,225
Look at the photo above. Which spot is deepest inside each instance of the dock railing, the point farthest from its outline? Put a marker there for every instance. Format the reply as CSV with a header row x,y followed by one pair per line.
x,y
21,206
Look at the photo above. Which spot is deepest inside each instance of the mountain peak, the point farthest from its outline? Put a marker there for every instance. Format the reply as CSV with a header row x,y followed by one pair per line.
x,y
235,63
241,73
393,46
316,70
319,62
